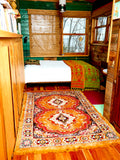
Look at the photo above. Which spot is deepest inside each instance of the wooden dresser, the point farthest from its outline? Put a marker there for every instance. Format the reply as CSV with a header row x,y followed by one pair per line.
x,y
11,90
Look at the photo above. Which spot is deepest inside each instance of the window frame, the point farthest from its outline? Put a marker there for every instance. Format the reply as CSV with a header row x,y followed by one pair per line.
x,y
76,34
107,26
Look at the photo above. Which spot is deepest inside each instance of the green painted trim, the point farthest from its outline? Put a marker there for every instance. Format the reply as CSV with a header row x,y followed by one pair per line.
x,y
86,59
36,58
37,5
79,6
75,6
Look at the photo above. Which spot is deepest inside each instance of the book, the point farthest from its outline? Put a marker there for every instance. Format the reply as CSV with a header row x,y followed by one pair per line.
x,y
8,20
13,22
19,28
5,4
3,25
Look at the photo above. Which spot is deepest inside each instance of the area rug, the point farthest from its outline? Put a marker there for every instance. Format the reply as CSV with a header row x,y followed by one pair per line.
x,y
61,121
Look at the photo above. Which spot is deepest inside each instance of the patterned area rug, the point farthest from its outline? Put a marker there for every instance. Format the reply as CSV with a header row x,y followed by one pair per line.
x,y
61,120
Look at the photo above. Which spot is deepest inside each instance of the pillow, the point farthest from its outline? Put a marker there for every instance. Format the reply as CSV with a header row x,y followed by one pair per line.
x,y
32,62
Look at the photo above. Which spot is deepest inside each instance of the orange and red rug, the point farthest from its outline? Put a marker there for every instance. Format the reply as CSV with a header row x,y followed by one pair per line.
x,y
61,120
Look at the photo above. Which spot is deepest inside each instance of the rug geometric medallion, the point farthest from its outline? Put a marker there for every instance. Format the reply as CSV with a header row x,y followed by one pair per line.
x,y
61,120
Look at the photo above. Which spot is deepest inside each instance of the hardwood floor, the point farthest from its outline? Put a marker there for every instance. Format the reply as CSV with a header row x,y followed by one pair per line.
x,y
111,152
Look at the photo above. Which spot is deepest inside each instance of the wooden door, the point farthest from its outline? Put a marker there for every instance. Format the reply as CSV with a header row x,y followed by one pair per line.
x,y
113,58
115,113
112,69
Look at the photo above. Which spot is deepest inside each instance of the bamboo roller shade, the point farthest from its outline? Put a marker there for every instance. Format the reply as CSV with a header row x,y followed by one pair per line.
x,y
44,35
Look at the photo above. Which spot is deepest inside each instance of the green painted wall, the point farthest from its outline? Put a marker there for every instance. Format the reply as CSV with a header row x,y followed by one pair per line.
x,y
82,5
25,31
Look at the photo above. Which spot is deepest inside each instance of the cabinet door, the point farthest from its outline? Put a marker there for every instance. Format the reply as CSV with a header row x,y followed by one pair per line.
x,y
7,100
3,149
14,82
19,70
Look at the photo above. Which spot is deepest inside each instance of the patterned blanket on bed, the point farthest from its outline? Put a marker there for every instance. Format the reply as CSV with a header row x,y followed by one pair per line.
x,y
84,75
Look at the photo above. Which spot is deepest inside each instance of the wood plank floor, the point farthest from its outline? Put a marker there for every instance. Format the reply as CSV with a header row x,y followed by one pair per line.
x,y
111,152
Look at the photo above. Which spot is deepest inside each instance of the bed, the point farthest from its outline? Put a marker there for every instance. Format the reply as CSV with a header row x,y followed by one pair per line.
x,y
81,74
48,71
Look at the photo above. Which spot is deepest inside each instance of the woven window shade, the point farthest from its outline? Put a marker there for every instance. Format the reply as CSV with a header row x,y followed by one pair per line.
x,y
44,35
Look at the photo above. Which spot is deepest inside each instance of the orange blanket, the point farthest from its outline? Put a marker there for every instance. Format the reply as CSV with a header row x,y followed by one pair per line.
x,y
77,71
84,75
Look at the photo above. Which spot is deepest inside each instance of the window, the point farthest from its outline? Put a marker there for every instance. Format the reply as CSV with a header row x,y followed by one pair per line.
x,y
102,27
54,35
74,35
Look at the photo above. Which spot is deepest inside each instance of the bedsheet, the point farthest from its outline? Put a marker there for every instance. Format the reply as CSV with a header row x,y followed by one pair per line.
x,y
48,71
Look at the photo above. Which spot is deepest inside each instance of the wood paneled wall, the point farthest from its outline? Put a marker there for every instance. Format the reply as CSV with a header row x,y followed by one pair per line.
x,y
99,51
98,55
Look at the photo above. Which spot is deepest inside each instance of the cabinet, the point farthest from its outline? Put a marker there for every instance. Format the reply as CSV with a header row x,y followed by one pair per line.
x,y
11,90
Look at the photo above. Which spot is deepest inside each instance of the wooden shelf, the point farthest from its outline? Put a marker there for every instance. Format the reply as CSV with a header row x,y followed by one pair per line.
x,y
5,34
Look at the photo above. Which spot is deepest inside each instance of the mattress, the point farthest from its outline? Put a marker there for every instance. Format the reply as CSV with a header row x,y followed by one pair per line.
x,y
48,71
